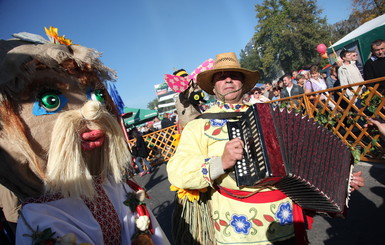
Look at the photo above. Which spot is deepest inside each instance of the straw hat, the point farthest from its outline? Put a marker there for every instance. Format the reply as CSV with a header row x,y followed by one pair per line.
x,y
226,62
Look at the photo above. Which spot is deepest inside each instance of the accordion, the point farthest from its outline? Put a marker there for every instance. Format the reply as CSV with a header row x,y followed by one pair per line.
x,y
295,154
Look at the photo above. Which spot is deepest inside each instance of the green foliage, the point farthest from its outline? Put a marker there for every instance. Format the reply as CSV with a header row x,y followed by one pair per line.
x,y
286,37
365,10
373,104
152,105
356,154
325,118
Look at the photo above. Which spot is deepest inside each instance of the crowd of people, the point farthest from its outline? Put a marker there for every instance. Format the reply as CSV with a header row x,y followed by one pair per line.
x,y
346,71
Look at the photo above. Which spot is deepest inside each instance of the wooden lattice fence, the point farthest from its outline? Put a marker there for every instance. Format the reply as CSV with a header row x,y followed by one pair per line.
x,y
160,144
344,116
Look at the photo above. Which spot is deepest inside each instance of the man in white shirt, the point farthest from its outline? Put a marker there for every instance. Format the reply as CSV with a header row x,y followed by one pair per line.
x,y
290,88
348,73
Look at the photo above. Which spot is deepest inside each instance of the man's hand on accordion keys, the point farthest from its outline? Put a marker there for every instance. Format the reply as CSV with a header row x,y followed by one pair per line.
x,y
357,181
233,151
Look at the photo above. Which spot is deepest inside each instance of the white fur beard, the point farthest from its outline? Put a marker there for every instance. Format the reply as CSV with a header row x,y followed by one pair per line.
x,y
69,172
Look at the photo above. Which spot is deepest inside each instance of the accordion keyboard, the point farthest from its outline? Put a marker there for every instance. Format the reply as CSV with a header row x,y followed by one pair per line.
x,y
248,171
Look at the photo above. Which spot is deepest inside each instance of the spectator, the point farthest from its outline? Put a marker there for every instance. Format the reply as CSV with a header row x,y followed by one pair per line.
x,y
174,117
150,127
355,60
268,93
301,79
157,123
375,66
348,73
293,77
333,77
316,82
140,152
277,93
290,88
166,122
256,96
246,98
280,83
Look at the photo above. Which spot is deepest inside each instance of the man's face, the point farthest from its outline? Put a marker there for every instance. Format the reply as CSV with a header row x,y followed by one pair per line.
x,y
268,87
354,56
287,81
379,50
347,57
228,86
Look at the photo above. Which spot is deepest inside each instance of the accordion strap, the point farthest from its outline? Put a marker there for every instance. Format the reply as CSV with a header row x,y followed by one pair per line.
x,y
245,195
221,115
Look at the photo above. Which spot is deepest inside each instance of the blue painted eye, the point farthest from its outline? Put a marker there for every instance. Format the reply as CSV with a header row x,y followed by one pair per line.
x,y
49,102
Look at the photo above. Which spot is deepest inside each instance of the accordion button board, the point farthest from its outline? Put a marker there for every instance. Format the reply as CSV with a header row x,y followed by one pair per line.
x,y
313,166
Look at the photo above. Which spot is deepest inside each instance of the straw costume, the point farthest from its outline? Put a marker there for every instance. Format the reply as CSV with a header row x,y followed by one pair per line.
x,y
211,209
62,149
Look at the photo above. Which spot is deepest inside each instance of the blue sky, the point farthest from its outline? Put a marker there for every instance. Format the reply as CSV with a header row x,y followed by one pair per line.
x,y
145,39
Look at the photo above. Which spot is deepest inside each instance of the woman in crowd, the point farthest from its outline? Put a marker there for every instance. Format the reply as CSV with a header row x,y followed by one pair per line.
x,y
256,96
316,82
332,79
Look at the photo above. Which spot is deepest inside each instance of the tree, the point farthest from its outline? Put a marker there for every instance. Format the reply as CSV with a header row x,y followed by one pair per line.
x,y
342,28
287,34
365,10
153,105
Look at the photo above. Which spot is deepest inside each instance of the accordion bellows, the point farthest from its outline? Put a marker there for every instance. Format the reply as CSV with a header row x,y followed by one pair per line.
x,y
296,154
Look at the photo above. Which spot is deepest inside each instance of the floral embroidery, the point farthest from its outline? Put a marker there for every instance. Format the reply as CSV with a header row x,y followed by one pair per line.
x,y
284,214
218,122
240,224
252,223
205,171
236,107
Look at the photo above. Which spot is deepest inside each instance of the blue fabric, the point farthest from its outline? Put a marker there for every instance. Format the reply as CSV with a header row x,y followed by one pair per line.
x,y
115,96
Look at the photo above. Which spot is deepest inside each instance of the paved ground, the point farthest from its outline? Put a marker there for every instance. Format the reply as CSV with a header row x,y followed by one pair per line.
x,y
363,225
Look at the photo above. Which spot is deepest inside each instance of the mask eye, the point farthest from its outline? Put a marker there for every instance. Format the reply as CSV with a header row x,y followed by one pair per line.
x,y
98,95
196,97
49,102
203,95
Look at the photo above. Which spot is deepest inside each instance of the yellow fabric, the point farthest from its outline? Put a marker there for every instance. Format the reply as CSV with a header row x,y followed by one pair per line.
x,y
201,140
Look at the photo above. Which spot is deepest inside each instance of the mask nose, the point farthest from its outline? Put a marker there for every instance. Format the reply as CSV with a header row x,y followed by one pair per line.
x,y
91,110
